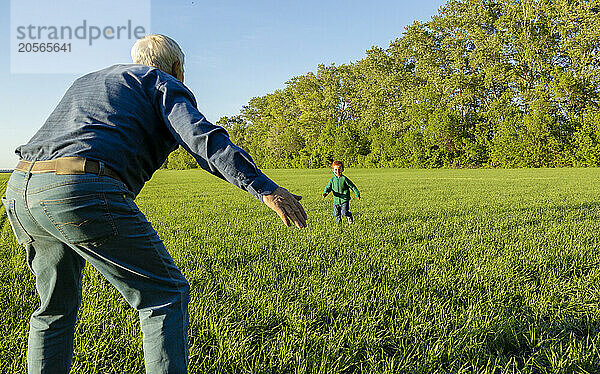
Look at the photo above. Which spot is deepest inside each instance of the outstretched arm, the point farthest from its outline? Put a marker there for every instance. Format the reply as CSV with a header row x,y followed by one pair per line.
x,y
213,150
207,143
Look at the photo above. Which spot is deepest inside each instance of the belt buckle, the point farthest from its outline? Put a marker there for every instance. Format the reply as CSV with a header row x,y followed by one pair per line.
x,y
70,165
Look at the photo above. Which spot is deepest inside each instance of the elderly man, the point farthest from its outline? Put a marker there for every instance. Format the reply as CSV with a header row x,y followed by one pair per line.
x,y
70,200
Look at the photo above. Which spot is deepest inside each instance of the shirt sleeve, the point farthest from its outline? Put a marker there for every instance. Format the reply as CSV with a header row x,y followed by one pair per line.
x,y
328,187
353,187
208,144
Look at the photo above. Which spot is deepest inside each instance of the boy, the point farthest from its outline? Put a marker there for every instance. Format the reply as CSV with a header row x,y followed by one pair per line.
x,y
340,185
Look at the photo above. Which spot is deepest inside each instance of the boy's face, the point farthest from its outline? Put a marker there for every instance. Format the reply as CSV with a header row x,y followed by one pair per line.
x,y
337,170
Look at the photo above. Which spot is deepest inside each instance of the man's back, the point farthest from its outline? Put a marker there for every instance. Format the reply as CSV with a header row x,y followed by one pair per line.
x,y
114,115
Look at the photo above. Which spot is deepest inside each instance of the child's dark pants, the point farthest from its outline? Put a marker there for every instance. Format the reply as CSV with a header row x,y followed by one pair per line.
x,y
341,210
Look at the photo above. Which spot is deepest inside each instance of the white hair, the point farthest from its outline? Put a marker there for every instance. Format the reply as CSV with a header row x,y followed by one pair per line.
x,y
157,50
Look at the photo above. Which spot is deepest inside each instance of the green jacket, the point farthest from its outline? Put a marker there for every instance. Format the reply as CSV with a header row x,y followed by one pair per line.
x,y
341,189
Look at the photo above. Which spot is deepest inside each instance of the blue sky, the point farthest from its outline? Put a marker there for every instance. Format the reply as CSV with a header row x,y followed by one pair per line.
x,y
235,50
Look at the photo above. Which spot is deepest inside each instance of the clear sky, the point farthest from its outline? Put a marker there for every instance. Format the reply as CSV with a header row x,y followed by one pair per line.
x,y
235,50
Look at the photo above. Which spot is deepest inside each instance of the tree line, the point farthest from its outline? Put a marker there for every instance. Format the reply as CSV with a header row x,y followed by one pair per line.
x,y
484,83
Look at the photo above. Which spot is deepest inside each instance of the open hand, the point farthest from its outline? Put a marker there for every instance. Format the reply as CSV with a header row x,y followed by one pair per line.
x,y
287,206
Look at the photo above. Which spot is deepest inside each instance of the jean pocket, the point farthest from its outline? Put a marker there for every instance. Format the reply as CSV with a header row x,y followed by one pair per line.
x,y
81,219
23,238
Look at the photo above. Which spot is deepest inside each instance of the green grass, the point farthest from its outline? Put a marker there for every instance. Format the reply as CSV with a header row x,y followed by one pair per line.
x,y
458,271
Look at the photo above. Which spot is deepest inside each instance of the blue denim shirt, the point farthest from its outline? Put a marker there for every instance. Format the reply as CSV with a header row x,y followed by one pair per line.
x,y
131,117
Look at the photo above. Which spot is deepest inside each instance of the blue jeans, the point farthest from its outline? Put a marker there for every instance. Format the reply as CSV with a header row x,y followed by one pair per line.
x,y
64,221
341,210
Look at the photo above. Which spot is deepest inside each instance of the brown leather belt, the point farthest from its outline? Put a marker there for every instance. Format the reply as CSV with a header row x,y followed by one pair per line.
x,y
67,166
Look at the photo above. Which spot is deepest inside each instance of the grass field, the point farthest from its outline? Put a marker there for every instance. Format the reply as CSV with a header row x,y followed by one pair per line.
x,y
457,271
